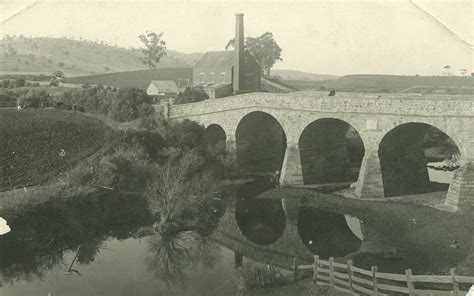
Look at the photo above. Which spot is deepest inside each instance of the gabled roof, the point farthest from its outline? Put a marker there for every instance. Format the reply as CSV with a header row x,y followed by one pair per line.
x,y
216,59
166,86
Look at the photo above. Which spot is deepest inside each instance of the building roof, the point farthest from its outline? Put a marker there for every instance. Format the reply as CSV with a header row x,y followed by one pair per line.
x,y
215,59
166,86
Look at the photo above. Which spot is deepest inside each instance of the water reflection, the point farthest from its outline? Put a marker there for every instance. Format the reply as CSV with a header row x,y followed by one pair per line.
x,y
262,221
170,259
43,234
326,234
114,239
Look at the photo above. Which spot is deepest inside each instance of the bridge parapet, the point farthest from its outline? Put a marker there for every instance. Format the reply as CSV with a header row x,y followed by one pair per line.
x,y
401,104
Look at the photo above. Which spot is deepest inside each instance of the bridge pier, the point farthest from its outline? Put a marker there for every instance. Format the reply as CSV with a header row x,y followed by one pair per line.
x,y
291,170
370,184
230,146
460,195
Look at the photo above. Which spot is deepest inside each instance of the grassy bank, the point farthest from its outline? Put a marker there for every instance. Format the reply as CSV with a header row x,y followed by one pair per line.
x,y
32,142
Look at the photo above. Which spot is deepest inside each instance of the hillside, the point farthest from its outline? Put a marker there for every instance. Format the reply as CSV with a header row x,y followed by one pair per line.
x,y
77,57
32,140
392,83
299,75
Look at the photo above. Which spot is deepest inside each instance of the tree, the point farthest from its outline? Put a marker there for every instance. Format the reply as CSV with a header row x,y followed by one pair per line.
x,y
155,48
58,77
448,70
264,48
192,94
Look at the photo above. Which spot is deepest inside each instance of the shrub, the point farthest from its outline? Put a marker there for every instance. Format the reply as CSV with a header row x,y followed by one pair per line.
x,y
20,82
145,110
256,275
35,98
125,106
192,94
186,134
5,83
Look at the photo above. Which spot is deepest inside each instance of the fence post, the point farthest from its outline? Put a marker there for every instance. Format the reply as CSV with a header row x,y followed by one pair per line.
x,y
331,275
374,279
455,283
295,269
349,275
315,269
410,285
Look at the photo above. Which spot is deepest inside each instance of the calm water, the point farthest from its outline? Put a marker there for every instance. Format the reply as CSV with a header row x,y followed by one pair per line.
x,y
97,245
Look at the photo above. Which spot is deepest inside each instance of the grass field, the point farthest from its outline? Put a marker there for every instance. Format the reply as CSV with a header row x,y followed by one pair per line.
x,y
31,141
391,83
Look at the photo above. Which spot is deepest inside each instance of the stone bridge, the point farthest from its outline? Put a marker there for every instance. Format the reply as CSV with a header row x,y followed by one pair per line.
x,y
314,139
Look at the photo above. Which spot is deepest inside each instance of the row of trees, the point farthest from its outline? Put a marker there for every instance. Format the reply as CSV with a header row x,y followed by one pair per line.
x,y
16,83
125,104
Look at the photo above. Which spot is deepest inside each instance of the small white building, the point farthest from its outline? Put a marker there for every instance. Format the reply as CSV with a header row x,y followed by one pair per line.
x,y
161,89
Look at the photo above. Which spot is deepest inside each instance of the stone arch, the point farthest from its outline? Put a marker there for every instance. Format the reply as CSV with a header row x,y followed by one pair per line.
x,y
403,154
215,136
331,150
260,143
440,124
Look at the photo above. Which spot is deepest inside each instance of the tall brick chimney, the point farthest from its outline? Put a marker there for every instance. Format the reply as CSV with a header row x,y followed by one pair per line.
x,y
238,53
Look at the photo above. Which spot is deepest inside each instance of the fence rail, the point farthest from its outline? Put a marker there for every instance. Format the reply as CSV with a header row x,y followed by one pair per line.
x,y
357,281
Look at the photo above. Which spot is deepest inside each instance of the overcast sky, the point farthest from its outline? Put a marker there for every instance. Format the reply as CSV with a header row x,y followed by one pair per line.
x,y
326,37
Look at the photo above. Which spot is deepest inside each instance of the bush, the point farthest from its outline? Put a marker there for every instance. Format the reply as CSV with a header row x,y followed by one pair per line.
x,y
186,134
151,142
192,94
35,98
125,106
145,110
20,82
5,83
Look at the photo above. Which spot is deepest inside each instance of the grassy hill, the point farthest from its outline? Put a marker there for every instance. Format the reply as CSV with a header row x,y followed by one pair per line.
x,y
299,75
77,57
32,139
392,83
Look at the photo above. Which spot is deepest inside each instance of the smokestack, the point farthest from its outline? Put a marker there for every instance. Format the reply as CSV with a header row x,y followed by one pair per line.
x,y
238,52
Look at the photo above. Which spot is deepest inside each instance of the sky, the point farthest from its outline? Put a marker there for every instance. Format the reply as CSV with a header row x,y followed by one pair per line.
x,y
327,37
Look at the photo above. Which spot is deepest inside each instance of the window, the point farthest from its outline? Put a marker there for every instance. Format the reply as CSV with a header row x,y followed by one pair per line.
x,y
211,77
202,76
223,76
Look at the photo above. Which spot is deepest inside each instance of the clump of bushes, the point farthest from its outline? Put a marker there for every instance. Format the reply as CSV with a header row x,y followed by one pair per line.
x,y
256,276
192,94
35,98
125,104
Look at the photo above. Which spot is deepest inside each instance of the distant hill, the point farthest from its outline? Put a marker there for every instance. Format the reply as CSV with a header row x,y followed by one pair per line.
x,y
299,75
77,57
391,83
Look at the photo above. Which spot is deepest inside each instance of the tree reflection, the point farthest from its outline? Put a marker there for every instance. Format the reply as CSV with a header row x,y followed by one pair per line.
x,y
186,209
171,258
44,234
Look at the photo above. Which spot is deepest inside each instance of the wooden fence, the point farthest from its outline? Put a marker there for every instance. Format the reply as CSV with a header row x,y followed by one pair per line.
x,y
357,281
